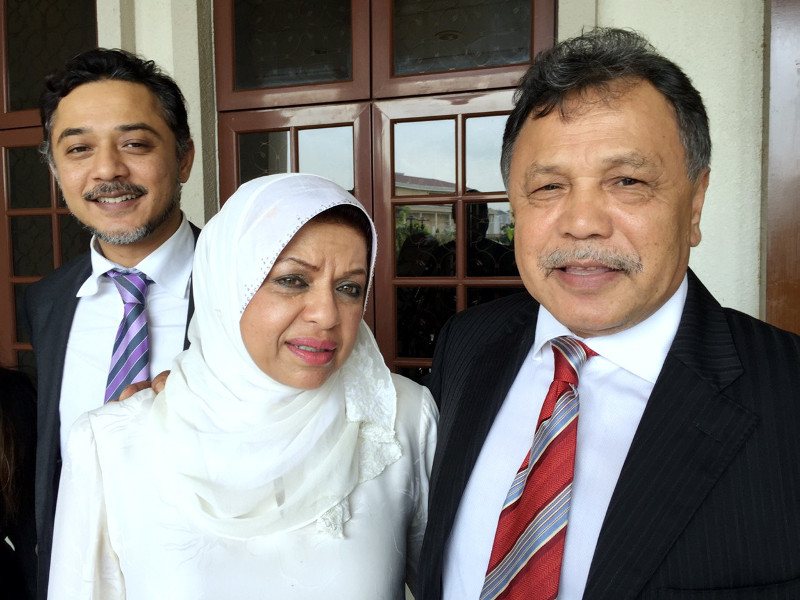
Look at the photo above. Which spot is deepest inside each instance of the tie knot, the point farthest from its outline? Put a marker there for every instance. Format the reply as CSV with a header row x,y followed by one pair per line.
x,y
569,355
131,285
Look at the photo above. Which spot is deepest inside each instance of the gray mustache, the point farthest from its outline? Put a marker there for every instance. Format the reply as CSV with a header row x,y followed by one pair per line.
x,y
610,258
110,188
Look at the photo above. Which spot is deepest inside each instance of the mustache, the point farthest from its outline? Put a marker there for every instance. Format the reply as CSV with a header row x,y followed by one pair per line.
x,y
608,257
115,186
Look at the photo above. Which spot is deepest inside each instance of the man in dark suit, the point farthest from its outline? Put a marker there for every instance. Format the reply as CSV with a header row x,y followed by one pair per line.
x,y
117,140
683,479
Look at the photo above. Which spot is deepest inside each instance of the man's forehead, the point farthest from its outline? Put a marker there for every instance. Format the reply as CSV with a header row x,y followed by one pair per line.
x,y
131,106
609,95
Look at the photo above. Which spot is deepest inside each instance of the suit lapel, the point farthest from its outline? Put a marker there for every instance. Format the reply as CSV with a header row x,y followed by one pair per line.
x,y
491,374
688,435
190,311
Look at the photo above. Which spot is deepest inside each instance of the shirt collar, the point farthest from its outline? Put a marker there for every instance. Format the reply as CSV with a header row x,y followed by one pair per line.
x,y
169,265
641,349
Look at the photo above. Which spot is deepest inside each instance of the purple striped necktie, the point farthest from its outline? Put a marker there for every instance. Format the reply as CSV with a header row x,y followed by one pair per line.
x,y
130,361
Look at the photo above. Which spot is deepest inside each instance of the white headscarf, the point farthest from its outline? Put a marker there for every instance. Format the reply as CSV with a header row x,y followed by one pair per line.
x,y
243,453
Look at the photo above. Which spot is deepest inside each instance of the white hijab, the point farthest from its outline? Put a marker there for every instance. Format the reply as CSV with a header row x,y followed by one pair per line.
x,y
244,454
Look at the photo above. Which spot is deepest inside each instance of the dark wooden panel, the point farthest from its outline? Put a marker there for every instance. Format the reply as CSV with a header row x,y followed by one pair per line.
x,y
783,168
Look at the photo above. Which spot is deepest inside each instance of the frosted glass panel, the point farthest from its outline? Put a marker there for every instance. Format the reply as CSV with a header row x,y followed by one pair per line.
x,y
280,43
437,36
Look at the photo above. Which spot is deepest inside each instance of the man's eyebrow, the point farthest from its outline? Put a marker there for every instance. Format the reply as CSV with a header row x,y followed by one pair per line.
x,y
137,127
632,159
539,169
70,131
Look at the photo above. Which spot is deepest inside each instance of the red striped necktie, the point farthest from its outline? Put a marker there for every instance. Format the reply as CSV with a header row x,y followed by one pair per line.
x,y
529,542
130,361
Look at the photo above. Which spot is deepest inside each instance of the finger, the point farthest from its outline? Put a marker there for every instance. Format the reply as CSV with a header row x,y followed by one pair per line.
x,y
160,381
131,389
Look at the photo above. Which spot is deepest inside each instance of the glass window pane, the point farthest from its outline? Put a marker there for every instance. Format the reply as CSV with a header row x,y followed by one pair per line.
x,y
414,373
436,36
19,294
425,158
421,313
41,37
32,245
479,295
484,143
490,240
280,44
263,153
28,179
74,238
328,151
423,235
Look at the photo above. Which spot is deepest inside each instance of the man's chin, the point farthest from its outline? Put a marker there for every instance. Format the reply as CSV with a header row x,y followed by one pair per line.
x,y
122,238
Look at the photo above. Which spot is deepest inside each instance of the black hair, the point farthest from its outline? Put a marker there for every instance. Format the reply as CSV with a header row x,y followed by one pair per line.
x,y
347,214
595,60
100,64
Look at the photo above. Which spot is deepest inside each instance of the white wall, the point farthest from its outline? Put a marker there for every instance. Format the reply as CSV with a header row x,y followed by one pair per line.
x,y
719,44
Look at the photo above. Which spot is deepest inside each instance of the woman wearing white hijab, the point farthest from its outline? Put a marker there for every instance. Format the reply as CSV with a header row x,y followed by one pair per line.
x,y
283,459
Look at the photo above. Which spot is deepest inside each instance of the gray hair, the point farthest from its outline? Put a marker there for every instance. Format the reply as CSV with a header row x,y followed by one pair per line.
x,y
595,60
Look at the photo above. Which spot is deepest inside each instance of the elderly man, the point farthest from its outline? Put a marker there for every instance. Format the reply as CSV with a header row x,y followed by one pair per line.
x,y
117,140
616,433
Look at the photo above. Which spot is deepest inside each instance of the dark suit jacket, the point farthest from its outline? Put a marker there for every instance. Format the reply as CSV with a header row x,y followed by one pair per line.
x,y
707,505
18,427
50,307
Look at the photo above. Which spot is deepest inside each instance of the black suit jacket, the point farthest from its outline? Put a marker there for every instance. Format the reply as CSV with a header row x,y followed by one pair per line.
x,y
49,308
707,505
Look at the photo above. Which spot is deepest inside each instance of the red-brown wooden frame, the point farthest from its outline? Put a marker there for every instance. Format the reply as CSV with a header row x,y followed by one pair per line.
x,y
385,114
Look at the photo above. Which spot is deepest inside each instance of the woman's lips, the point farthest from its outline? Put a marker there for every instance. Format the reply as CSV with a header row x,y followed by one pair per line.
x,y
313,351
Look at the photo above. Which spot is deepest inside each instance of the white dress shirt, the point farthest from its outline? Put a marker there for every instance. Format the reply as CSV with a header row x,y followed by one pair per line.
x,y
100,310
613,390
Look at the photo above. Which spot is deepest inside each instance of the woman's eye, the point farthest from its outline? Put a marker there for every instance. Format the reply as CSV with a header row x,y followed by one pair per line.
x,y
353,290
291,281
626,181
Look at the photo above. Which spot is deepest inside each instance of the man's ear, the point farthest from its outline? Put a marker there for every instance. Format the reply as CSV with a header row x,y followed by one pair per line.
x,y
698,198
185,165
53,171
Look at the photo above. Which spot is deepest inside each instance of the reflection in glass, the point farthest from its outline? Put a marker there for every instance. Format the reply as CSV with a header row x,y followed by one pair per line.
x,y
32,245
479,295
421,234
436,36
263,153
484,141
490,242
41,36
328,151
425,158
281,44
74,238
19,310
414,373
421,313
28,179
